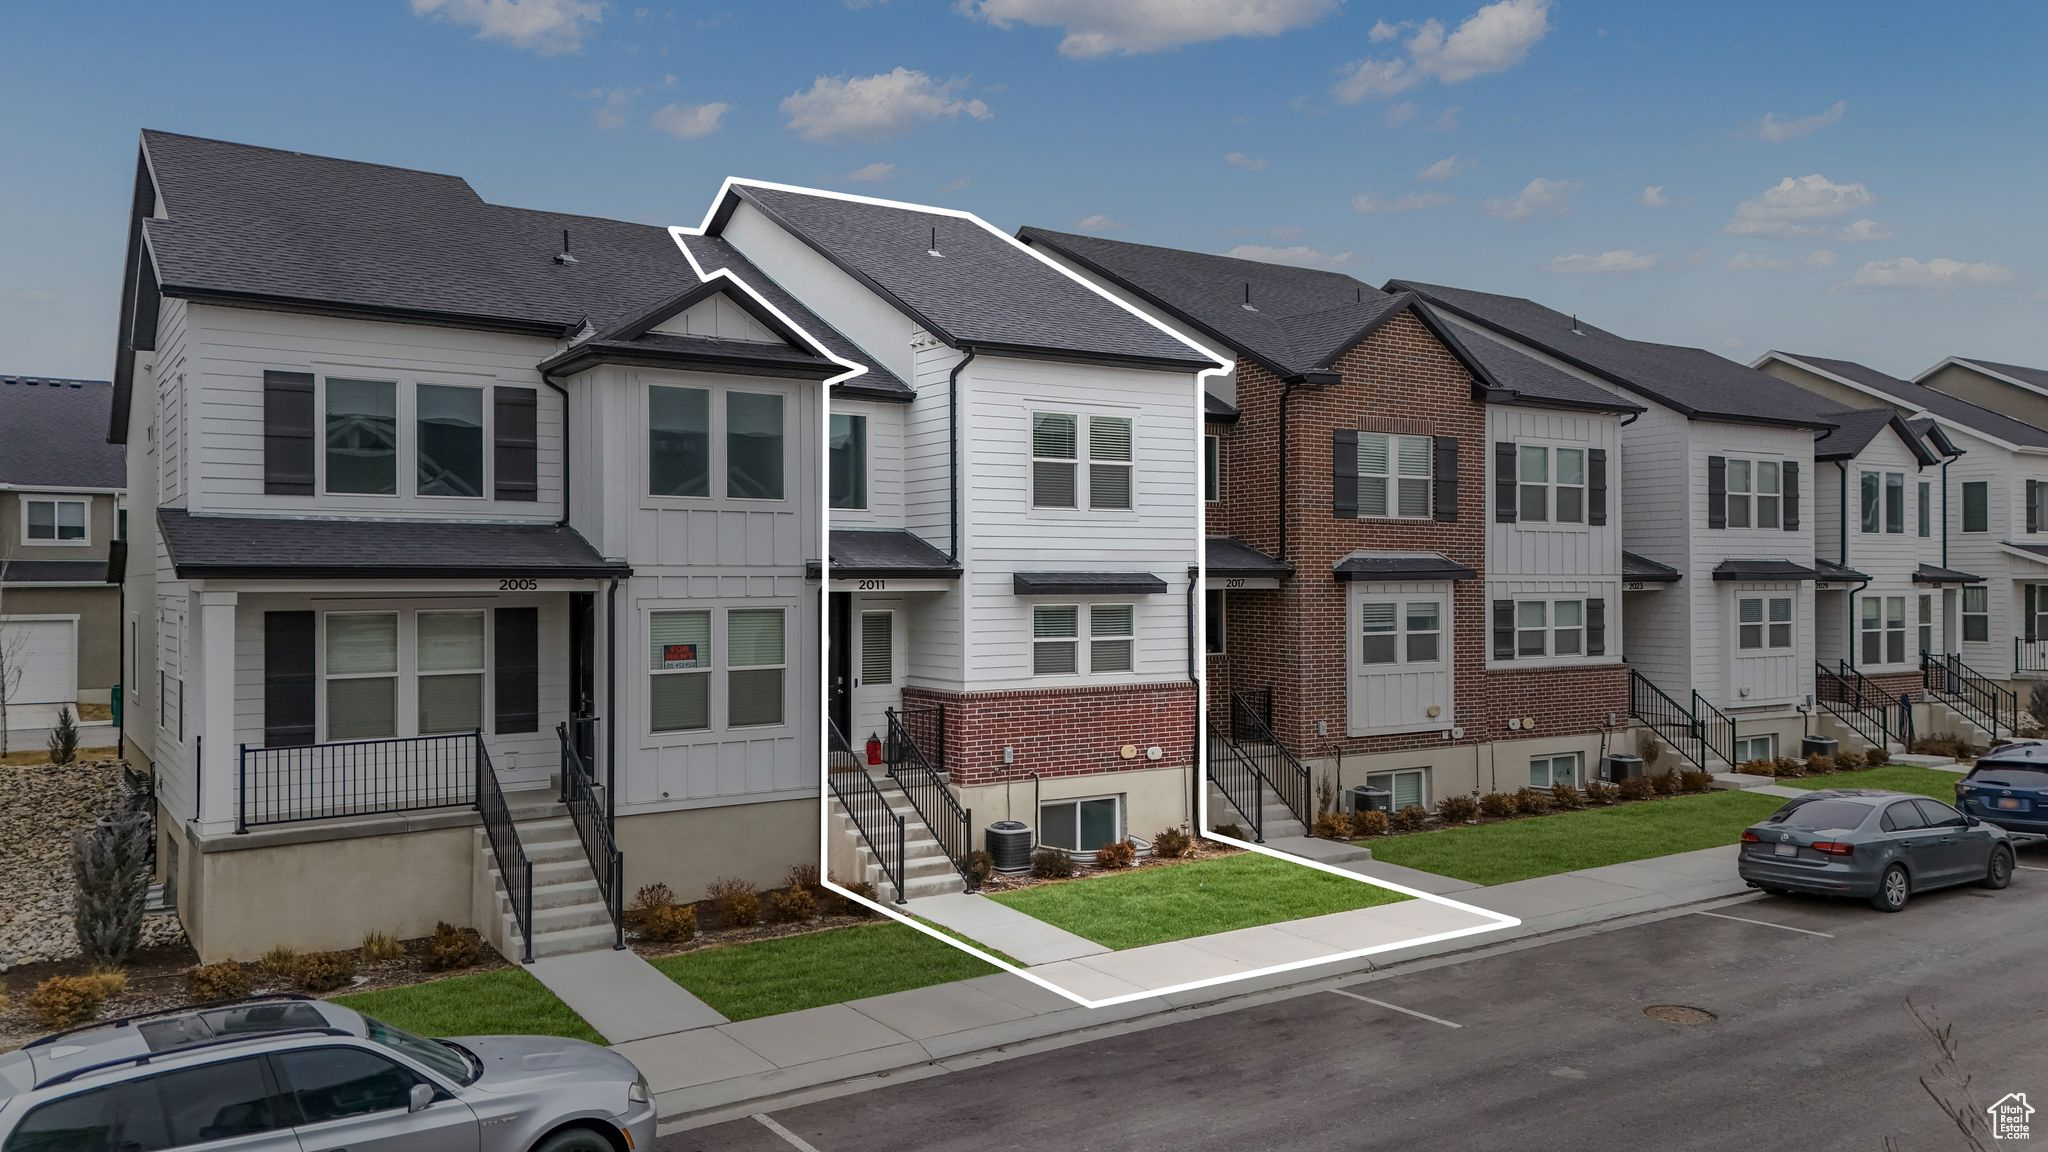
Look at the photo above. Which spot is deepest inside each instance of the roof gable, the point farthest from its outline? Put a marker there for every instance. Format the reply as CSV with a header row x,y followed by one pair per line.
x,y
1918,398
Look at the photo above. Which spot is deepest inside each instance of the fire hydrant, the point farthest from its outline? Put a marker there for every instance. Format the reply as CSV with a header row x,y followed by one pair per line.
x,y
874,748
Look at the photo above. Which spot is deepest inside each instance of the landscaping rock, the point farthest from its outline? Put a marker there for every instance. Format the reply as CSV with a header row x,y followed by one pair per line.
x,y
42,807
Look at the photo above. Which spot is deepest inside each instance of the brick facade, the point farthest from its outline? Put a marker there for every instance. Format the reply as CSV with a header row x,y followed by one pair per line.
x,y
1062,731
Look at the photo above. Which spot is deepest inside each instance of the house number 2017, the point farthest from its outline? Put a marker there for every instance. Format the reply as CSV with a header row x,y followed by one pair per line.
x,y
518,585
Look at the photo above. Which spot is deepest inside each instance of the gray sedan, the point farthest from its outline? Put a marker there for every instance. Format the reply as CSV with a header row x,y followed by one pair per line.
x,y
1883,846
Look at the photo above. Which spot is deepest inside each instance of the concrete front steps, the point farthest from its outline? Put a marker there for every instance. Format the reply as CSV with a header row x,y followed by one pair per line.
x,y
569,914
1943,719
927,870
1279,823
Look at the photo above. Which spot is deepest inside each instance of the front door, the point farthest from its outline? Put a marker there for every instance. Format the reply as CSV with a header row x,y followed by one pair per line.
x,y
877,666
840,663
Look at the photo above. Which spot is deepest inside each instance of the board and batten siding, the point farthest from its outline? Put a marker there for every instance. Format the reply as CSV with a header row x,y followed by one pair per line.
x,y
1770,679
1400,698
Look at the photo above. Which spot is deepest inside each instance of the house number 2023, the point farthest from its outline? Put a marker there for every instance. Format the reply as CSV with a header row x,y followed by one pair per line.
x,y
518,585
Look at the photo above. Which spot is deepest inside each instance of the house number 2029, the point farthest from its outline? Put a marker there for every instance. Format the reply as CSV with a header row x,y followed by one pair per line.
x,y
518,585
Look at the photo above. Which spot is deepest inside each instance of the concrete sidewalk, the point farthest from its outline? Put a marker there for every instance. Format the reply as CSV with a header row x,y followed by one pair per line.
x,y
1026,939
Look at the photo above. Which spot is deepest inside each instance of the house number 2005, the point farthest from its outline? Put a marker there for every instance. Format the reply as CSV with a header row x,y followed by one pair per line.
x,y
518,585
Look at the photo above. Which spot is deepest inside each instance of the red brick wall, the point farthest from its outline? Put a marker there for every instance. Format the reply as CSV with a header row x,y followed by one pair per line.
x,y
1062,731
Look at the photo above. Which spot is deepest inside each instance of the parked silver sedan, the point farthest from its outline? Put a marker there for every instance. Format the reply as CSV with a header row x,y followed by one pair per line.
x,y
1883,846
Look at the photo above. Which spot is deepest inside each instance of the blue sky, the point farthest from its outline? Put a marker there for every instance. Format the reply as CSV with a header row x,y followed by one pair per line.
x,y
1841,179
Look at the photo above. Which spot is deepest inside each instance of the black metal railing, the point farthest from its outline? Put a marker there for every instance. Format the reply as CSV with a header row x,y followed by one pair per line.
x,y
1853,700
2029,655
1669,719
1980,700
1240,782
1283,773
515,871
594,828
1717,728
950,824
879,824
291,783
1259,701
923,727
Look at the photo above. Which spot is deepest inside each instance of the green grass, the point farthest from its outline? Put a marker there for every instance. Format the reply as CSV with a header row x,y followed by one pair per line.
x,y
1567,841
1154,905
503,1001
1891,777
773,976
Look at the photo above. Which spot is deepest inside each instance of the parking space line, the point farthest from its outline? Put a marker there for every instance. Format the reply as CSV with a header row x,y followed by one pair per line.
x,y
1767,924
1397,1008
795,1141
2030,868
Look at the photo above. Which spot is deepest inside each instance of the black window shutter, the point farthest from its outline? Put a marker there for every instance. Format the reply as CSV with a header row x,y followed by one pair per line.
x,y
1791,475
1596,626
517,698
288,679
1596,486
2033,506
1504,481
1717,491
516,436
1447,479
1344,474
288,433
1503,629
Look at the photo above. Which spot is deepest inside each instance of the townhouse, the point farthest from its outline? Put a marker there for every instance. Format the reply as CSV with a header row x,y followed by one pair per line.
x,y
1414,541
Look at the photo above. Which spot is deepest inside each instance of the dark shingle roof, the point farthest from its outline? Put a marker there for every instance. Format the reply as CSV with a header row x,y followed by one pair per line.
x,y
1642,569
1936,574
1772,570
2037,377
661,349
886,552
55,571
1528,378
1920,398
1229,556
1215,407
52,434
1822,569
1693,381
984,291
1401,566
714,253
1855,428
252,547
1086,584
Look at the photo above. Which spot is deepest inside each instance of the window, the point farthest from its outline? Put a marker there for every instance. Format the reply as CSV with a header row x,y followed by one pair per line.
x,y
1394,475
362,437
1902,817
1212,468
337,1083
2036,601
121,518
1109,462
1547,493
450,430
1055,640
679,656
1110,636
54,522
362,675
1976,612
1976,506
118,1116
216,1102
1425,631
1869,492
1925,509
1401,632
755,665
1550,771
877,649
848,461
1409,787
1080,825
1926,623
1754,493
753,446
678,441
1895,503
1748,748
1213,619
1055,459
1763,623
1534,475
451,671
1532,628
1550,628
1883,627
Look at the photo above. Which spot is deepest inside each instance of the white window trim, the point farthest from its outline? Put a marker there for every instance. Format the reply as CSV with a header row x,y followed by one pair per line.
x,y
1129,466
1752,495
1883,631
397,676
1401,632
1965,613
1117,798
1422,783
403,432
1924,510
1764,622
483,674
1549,762
1083,641
717,705
1083,462
1884,501
716,461
1923,606
1391,478
1768,739
730,667
1550,630
1869,521
56,502
1551,485
487,426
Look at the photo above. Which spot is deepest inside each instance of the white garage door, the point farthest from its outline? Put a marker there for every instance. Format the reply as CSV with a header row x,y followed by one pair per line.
x,y
45,655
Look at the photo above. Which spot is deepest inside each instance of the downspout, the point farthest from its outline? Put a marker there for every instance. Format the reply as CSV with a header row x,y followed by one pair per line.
x,y
1849,636
1194,765
611,705
953,452
566,473
1944,509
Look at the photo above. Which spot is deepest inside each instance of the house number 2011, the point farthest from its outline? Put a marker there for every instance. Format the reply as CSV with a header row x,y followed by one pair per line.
x,y
873,585
518,585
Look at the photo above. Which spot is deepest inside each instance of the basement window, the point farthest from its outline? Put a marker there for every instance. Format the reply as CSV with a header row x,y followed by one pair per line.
x,y
1080,825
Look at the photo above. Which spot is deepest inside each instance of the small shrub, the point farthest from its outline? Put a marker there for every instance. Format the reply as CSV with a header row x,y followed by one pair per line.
x,y
111,864
1818,765
1600,792
450,947
378,948
64,738
1457,809
804,876
1326,794
1695,781
1234,831
1877,757
1051,864
67,1001
1649,749
1565,796
1370,822
2037,703
324,971
1172,843
793,905
1944,744
1665,783
860,888
669,923
1332,826
1413,818
981,866
223,981
651,897
1497,805
1758,767
279,962
1790,766
1635,788
737,901
1532,801
1116,854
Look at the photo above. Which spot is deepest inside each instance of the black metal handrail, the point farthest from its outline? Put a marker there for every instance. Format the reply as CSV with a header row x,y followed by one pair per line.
x,y
1669,719
1239,780
2029,655
1260,701
879,824
1717,728
515,871
950,824
924,726
1843,693
287,784
594,828
1976,696
1283,773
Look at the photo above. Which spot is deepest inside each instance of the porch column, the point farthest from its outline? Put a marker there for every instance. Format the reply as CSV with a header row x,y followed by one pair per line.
x,y
210,686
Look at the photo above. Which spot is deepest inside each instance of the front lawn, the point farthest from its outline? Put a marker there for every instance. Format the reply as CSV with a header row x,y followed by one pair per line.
x,y
503,1001
1891,777
795,972
1567,841
1153,905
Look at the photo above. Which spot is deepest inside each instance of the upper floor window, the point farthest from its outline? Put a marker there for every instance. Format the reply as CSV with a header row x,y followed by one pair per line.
x,y
1109,462
679,443
753,446
1867,490
1395,475
53,520
1883,620
1550,628
1057,639
449,440
1755,491
1212,468
1551,483
362,437
1925,508
1056,461
847,460
1763,623
1976,506
1400,632
1895,503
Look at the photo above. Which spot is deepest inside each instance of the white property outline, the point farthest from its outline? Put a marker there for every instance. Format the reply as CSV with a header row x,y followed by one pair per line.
x,y
1225,365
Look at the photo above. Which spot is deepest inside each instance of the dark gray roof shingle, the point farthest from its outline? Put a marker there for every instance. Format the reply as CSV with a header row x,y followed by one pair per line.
x,y
2038,377
55,571
1215,407
1642,569
53,434
1920,398
1528,378
1936,574
1086,584
1826,570
1774,570
1401,566
886,552
1229,556
253,547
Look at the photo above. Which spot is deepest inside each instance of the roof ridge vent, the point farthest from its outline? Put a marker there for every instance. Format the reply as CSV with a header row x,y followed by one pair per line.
x,y
563,256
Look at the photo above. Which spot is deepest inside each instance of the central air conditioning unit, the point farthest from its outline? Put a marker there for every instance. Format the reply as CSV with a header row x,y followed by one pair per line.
x,y
1009,845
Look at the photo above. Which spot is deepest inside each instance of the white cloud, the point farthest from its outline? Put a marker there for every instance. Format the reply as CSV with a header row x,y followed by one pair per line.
x,y
1411,202
884,104
1383,31
1757,262
689,121
1940,272
872,173
1399,114
954,185
1248,163
549,27
1100,222
1538,195
612,106
1300,254
1493,39
1778,131
1131,27
1865,229
1613,260
1447,121
1654,197
1444,169
1798,206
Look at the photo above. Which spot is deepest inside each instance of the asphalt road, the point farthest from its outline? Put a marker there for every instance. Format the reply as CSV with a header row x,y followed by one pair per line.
x,y
1811,1047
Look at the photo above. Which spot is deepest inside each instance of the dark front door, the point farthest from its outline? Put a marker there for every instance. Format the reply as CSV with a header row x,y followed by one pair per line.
x,y
839,638
583,670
